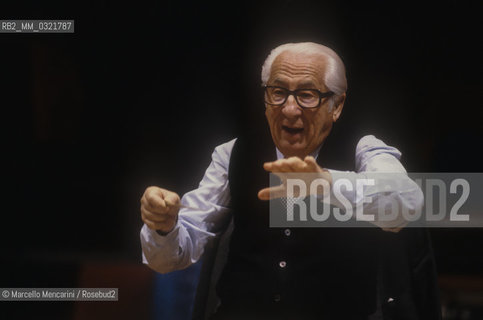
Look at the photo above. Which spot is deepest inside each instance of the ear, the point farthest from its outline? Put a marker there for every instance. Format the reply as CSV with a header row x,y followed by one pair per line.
x,y
337,108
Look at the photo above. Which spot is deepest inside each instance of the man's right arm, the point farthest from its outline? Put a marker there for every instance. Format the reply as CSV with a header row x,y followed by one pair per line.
x,y
183,235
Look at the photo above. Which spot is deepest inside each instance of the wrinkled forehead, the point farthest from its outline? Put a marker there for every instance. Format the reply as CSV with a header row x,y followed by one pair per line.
x,y
290,67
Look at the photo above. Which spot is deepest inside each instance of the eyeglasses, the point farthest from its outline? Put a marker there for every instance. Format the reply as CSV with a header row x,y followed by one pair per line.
x,y
306,98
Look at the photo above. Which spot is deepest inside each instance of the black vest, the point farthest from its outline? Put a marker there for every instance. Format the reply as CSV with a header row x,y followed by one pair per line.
x,y
302,272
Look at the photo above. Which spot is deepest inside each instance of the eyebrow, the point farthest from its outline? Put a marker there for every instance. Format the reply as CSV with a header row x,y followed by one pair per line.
x,y
279,81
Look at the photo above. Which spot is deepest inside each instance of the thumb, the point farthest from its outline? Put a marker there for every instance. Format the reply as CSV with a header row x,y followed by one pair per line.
x,y
171,198
312,164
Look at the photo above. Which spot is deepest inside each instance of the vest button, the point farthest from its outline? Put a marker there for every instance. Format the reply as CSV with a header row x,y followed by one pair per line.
x,y
277,297
282,264
287,232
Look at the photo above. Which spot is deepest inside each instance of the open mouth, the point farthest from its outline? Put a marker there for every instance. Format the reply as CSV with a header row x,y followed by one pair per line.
x,y
292,130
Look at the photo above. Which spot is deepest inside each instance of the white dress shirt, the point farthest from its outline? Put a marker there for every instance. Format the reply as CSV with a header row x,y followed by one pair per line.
x,y
184,245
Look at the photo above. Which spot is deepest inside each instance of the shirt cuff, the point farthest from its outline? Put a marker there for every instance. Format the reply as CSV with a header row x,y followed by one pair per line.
x,y
161,238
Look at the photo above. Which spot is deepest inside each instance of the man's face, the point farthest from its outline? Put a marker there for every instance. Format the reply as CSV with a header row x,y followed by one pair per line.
x,y
296,131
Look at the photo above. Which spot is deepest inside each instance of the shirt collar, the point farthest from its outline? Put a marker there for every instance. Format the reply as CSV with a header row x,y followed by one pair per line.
x,y
314,154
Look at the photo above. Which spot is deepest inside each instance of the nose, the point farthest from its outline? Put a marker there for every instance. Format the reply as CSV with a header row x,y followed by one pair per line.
x,y
290,108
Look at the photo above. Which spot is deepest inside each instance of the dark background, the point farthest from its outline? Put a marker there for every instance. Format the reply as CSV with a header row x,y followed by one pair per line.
x,y
141,93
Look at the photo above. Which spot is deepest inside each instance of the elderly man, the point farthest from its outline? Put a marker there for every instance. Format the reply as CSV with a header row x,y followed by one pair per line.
x,y
294,273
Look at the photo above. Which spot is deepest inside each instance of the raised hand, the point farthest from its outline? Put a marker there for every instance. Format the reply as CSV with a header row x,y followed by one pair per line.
x,y
285,168
159,209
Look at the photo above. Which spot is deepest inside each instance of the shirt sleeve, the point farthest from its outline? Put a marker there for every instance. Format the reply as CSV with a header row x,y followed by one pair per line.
x,y
392,189
184,245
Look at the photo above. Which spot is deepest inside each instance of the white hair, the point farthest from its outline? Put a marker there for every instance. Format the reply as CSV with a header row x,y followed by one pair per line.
x,y
334,77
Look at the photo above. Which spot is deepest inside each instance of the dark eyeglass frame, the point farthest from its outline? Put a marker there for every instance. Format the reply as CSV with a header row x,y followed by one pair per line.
x,y
322,95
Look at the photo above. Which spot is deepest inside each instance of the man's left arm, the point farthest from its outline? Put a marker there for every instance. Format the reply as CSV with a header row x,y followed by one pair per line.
x,y
390,190
380,185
